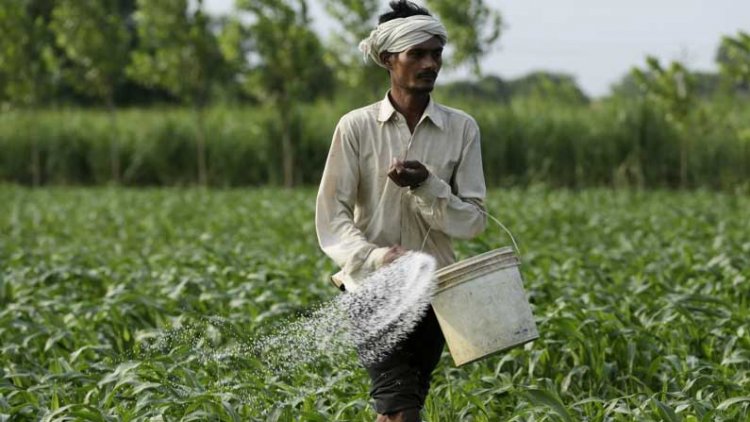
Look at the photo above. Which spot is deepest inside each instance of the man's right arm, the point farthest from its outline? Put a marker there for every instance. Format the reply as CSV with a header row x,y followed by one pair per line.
x,y
339,238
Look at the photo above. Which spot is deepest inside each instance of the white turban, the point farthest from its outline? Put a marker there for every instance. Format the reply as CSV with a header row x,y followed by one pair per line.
x,y
400,34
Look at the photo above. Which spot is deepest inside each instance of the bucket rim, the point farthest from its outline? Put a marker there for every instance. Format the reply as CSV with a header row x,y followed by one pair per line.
x,y
460,277
505,253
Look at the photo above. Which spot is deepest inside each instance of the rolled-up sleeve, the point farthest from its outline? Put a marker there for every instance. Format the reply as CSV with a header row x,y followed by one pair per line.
x,y
338,236
456,207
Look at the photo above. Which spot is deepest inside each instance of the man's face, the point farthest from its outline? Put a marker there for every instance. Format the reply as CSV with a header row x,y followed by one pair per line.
x,y
416,69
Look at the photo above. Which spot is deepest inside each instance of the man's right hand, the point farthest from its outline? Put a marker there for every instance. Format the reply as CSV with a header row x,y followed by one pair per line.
x,y
394,252
407,173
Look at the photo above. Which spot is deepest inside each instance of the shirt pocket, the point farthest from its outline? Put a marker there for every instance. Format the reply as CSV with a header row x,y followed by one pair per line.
x,y
444,170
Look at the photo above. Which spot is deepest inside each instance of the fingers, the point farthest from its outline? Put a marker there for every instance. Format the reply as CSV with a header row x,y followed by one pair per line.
x,y
398,249
407,173
393,253
409,164
397,177
412,164
398,173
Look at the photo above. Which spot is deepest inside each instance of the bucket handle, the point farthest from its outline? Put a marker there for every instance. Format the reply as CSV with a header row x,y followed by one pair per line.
x,y
512,239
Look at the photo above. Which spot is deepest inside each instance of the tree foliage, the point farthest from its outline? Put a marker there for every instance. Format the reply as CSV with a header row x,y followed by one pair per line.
x,y
95,39
286,59
473,28
672,89
286,65
734,59
177,50
27,63
549,86
27,59
356,19
544,86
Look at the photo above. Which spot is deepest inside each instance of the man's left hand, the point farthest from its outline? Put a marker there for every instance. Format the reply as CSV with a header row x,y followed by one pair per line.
x,y
408,173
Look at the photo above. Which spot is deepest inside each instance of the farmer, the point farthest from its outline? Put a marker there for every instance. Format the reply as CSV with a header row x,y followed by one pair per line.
x,y
397,168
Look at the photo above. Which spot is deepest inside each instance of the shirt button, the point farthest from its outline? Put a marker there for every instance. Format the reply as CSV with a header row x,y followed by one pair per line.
x,y
395,118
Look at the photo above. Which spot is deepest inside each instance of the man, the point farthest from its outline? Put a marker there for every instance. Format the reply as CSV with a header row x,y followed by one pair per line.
x,y
401,173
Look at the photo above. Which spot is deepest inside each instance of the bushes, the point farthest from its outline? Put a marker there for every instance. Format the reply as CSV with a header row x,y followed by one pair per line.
x,y
156,147
612,143
609,143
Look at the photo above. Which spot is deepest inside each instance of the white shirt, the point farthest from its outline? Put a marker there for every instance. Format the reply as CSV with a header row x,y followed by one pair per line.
x,y
360,212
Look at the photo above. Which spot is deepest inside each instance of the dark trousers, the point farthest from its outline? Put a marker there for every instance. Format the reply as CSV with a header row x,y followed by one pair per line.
x,y
401,380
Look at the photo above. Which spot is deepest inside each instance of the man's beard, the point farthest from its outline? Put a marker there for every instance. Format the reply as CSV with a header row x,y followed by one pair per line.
x,y
423,89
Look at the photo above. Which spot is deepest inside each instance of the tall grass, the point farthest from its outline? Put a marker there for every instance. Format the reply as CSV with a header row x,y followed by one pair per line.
x,y
608,143
615,143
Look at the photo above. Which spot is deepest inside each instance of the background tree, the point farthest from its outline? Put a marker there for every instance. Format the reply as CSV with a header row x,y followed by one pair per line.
x,y
543,86
707,85
473,27
27,63
285,65
489,88
548,86
672,89
95,40
358,78
733,58
178,51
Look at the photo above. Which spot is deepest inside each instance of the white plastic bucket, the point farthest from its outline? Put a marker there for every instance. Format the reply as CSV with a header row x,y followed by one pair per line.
x,y
482,307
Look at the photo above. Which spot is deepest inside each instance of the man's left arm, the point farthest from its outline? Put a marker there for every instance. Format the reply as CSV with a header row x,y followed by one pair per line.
x,y
456,208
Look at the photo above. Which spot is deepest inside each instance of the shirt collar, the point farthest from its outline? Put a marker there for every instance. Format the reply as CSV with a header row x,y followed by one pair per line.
x,y
432,112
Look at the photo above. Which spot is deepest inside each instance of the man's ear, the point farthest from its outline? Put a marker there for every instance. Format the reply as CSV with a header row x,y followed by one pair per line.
x,y
385,57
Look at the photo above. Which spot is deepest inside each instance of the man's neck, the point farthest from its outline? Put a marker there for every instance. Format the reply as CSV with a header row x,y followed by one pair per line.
x,y
410,104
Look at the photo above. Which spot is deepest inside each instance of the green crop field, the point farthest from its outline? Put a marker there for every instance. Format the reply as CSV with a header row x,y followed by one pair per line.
x,y
126,305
